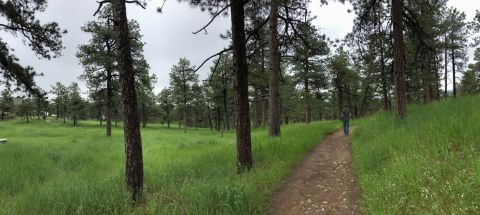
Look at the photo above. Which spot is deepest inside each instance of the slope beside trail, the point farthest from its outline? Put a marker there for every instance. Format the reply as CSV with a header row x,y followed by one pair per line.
x,y
323,183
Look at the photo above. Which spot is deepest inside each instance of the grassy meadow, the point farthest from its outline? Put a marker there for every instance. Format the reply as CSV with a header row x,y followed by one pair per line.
x,y
427,164
51,168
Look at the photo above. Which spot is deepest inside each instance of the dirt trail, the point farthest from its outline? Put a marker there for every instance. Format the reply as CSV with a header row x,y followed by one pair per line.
x,y
323,183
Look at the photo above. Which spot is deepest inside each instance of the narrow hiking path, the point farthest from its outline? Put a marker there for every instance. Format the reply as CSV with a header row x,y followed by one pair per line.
x,y
323,183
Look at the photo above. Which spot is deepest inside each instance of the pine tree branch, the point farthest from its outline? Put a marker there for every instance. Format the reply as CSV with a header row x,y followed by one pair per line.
x,y
204,28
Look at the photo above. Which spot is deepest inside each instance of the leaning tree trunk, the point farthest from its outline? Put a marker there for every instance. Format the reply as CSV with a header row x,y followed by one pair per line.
x,y
242,121
399,57
274,61
133,141
108,107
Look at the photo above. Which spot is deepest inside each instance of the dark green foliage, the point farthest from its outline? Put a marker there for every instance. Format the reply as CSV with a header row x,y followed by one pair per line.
x,y
182,81
44,39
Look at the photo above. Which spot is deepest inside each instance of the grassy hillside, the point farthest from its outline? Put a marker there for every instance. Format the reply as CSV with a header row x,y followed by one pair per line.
x,y
51,168
427,164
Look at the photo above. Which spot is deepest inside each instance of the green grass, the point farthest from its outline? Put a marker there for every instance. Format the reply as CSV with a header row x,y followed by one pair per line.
x,y
426,164
51,168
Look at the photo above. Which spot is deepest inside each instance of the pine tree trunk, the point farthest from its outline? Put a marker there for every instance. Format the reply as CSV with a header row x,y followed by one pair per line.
x,y
108,107
133,142
446,68
453,73
274,61
144,116
244,153
185,115
399,57
210,118
168,119
3,114
384,79
264,112
306,88
219,119
38,111
227,121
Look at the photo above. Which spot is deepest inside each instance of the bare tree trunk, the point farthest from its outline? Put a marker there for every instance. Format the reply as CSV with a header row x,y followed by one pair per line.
x,y
219,119
133,141
38,111
227,122
384,78
264,112
453,73
399,57
306,88
274,101
185,115
210,118
446,68
108,107
244,151
144,116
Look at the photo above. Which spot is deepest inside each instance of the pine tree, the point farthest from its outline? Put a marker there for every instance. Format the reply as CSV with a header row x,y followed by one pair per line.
x,y
182,79
18,18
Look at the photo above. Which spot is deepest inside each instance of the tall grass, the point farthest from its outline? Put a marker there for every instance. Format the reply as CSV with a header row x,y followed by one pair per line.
x,y
426,164
50,168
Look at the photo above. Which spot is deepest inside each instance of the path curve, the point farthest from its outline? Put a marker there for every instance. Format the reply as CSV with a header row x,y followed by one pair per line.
x,y
323,183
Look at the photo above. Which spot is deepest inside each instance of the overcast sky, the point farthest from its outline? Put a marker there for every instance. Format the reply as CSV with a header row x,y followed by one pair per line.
x,y
168,35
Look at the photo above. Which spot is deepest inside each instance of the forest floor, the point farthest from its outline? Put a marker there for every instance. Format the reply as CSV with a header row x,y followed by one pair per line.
x,y
323,183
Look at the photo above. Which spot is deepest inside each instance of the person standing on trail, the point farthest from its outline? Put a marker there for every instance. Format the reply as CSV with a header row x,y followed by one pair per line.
x,y
346,114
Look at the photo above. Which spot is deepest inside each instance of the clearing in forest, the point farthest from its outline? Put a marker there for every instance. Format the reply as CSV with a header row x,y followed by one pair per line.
x,y
323,183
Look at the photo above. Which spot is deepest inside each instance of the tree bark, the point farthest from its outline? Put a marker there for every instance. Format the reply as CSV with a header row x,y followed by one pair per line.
x,y
210,118
244,153
133,141
108,107
306,88
144,116
384,78
64,113
274,67
446,68
38,111
454,82
399,57
227,121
